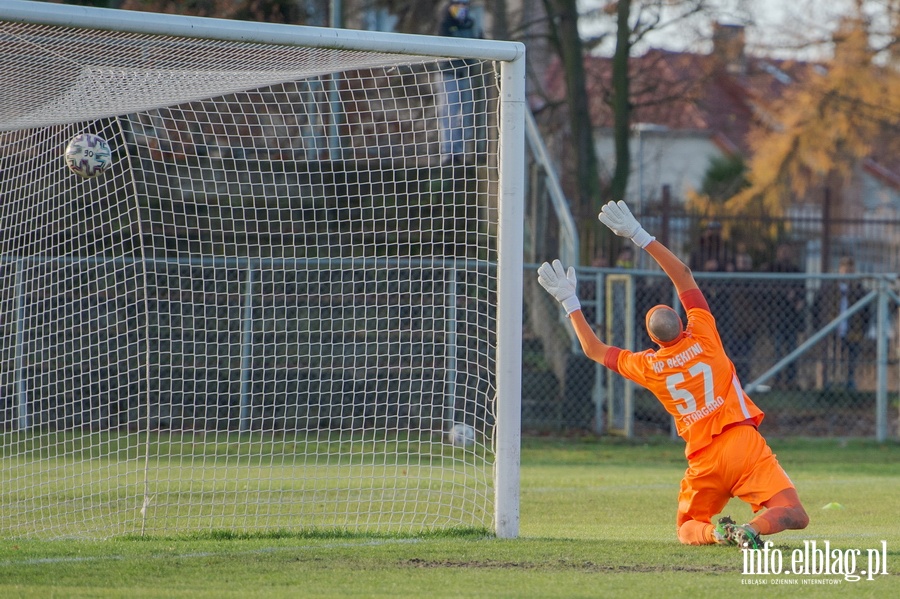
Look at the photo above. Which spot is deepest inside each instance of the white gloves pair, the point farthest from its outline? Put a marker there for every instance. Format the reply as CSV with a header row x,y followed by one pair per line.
x,y
561,284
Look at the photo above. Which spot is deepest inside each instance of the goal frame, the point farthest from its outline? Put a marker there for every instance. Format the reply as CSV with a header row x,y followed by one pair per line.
x,y
511,168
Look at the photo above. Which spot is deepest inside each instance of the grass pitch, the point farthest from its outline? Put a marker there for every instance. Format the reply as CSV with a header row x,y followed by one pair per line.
x,y
597,520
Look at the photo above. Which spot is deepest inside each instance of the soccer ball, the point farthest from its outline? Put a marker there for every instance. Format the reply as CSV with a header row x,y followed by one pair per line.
x,y
88,155
462,435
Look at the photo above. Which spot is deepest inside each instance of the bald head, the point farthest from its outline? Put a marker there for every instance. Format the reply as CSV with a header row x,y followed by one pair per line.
x,y
663,324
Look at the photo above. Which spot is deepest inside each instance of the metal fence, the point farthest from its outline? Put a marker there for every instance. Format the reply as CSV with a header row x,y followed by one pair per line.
x,y
814,240
817,364
246,344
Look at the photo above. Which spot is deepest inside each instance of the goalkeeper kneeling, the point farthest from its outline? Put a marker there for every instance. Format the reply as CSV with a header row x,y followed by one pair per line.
x,y
695,381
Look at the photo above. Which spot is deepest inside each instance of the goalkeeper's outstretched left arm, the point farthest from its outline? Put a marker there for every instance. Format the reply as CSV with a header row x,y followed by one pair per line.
x,y
560,283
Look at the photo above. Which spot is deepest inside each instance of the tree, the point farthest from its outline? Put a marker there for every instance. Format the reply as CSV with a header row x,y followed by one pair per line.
x,y
621,101
629,23
845,110
649,16
585,195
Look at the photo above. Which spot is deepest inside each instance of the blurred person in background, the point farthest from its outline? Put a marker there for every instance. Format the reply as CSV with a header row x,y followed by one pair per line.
x,y
744,304
845,345
625,259
787,302
457,98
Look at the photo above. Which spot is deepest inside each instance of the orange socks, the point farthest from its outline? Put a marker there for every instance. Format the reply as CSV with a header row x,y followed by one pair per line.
x,y
694,532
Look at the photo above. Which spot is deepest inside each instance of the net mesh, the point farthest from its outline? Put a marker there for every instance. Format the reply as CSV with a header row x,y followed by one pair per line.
x,y
66,74
271,310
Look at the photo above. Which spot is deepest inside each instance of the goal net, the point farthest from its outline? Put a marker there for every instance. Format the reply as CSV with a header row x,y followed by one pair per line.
x,y
294,300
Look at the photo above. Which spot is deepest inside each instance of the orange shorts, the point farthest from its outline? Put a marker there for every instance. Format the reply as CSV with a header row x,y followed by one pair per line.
x,y
738,463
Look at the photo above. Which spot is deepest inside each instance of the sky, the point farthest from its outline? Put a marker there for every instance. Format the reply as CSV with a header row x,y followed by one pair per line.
x,y
778,28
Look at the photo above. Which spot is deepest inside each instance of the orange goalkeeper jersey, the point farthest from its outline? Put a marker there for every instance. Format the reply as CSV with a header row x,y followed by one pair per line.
x,y
693,379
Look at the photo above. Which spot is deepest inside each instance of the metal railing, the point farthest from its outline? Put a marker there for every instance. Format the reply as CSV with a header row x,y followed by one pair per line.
x,y
791,358
568,232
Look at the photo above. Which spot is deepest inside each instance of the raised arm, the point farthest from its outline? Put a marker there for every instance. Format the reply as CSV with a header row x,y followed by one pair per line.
x,y
619,219
672,265
561,284
591,345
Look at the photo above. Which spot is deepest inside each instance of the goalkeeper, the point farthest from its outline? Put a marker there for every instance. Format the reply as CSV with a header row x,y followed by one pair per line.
x,y
695,381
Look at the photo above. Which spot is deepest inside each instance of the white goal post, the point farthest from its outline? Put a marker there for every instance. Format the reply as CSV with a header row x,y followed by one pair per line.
x,y
271,311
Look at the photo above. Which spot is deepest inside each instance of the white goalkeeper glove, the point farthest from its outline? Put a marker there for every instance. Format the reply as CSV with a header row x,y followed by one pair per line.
x,y
560,284
619,219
